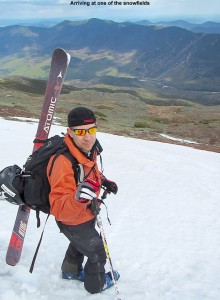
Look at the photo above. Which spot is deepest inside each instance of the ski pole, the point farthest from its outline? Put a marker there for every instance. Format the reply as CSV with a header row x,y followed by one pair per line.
x,y
102,232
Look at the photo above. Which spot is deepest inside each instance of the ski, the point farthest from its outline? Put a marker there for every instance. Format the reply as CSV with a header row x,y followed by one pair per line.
x,y
59,64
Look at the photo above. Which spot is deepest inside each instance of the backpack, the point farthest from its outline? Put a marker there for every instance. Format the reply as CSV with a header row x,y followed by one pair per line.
x,y
30,185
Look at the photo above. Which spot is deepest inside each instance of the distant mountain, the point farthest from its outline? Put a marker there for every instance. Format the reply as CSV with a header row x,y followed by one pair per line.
x,y
108,51
31,22
207,27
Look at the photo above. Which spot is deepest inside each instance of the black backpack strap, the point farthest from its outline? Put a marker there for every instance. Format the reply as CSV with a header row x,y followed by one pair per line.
x,y
38,217
77,168
38,246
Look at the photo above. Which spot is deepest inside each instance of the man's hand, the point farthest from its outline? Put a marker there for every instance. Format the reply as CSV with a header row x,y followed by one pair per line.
x,y
86,190
111,186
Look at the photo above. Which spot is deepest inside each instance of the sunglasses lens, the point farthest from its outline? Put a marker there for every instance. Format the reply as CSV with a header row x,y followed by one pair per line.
x,y
80,132
92,130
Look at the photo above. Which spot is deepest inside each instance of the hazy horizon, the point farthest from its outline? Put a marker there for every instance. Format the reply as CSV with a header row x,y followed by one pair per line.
x,y
53,21
12,12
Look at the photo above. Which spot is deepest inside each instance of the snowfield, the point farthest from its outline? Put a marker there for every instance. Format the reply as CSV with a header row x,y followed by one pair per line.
x,y
165,234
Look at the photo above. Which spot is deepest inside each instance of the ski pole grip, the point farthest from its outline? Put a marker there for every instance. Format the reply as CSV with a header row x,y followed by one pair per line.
x,y
95,206
104,196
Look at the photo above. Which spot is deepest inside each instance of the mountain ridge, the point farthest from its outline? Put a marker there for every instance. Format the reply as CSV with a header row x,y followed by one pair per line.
x,y
208,27
171,55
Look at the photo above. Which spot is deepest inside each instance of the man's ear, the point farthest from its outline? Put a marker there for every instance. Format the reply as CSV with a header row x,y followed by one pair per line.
x,y
69,131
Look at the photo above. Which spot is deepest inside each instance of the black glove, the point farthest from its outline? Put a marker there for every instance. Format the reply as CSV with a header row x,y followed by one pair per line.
x,y
86,190
111,186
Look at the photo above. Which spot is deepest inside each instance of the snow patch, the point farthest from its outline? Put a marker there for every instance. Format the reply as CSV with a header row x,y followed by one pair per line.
x,y
177,139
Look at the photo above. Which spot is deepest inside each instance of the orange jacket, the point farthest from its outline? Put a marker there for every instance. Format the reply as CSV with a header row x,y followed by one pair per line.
x,y
63,204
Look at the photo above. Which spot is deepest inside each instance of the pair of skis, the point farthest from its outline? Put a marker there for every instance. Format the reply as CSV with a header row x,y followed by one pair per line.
x,y
59,64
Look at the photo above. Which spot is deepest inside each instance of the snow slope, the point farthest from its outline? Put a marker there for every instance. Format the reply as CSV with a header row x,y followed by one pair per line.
x,y
165,233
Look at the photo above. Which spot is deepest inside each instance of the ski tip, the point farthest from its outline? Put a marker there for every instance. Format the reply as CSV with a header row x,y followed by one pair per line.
x,y
61,50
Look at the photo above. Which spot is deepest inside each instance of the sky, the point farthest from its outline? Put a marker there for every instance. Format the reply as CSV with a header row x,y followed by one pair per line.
x,y
191,10
165,234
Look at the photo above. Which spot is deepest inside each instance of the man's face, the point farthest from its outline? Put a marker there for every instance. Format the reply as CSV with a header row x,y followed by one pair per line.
x,y
84,142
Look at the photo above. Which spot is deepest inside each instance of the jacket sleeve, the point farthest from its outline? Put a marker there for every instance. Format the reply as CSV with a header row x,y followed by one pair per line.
x,y
63,204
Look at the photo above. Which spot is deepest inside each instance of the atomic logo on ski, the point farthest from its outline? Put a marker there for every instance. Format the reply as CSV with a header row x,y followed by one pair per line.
x,y
52,105
50,113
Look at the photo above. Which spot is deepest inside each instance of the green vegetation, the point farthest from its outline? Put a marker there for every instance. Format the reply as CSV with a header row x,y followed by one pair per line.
x,y
139,124
119,110
27,66
160,120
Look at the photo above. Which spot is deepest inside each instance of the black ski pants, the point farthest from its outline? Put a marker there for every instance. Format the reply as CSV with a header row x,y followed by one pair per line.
x,y
85,241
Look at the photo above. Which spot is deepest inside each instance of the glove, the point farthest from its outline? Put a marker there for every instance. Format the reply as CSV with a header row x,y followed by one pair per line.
x,y
86,190
111,186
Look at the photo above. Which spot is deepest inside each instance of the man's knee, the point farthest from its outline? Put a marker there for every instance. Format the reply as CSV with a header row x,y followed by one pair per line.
x,y
97,253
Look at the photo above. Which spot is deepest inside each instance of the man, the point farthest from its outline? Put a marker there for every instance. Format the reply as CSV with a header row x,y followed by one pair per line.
x,y
71,202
